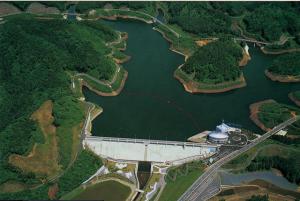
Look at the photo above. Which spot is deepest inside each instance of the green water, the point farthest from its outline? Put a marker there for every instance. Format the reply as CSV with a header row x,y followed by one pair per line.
x,y
154,105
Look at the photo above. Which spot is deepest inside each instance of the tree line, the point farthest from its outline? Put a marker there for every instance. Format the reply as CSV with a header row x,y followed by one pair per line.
x,y
290,167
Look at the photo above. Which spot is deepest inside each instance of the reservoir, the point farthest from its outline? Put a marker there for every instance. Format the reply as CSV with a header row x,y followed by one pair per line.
x,y
153,104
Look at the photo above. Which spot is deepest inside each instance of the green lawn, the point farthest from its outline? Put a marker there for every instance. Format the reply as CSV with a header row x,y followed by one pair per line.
x,y
174,190
179,179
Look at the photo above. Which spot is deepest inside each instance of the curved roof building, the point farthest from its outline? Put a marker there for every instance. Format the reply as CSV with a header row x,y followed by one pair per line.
x,y
218,137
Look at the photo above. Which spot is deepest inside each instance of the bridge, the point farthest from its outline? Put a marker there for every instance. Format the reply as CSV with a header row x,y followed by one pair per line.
x,y
170,152
198,190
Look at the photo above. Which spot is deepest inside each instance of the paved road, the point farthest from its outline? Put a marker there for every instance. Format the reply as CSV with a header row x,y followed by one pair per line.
x,y
252,41
200,185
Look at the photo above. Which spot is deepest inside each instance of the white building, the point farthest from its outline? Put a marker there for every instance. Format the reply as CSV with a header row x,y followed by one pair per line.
x,y
220,135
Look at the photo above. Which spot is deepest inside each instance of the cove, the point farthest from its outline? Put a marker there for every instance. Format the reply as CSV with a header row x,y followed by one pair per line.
x,y
153,104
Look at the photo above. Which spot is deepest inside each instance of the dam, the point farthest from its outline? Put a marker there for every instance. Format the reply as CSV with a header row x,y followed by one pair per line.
x,y
169,152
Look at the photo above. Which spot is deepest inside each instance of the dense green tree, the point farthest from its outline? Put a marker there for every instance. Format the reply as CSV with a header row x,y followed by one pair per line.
x,y
272,20
215,63
290,167
287,64
199,18
34,58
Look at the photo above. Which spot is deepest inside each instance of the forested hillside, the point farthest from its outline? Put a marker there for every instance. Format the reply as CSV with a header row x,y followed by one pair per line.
x,y
198,18
287,64
271,20
215,63
34,58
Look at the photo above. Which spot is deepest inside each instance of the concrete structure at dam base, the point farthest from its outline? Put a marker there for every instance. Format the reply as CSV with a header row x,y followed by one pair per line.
x,y
158,151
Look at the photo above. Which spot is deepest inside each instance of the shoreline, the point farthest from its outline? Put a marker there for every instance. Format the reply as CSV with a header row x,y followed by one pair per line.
x,y
97,111
246,58
190,86
282,78
116,16
279,51
113,93
292,97
172,48
254,110
193,87
121,61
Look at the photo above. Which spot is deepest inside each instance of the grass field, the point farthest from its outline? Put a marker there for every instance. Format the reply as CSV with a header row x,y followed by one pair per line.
x,y
179,179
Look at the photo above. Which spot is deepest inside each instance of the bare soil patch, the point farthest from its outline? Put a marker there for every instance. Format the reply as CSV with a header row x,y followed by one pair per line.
x,y
43,159
246,58
195,87
282,78
203,42
52,191
121,61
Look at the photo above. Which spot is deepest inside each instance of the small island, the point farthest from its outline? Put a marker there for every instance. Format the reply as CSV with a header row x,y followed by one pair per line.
x,y
213,68
285,68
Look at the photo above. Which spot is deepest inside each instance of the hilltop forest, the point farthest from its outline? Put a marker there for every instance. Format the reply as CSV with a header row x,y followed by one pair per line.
x,y
215,63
